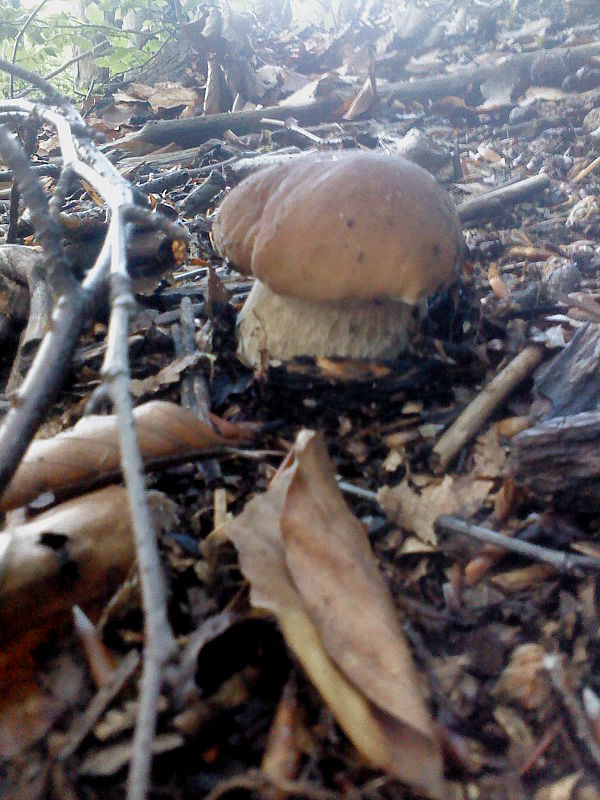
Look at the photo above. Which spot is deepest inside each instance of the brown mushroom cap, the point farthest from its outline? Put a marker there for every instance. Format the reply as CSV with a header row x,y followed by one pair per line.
x,y
353,226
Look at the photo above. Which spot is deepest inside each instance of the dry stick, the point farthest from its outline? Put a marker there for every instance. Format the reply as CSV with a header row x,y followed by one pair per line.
x,y
190,132
586,171
496,200
481,408
514,65
562,562
194,391
102,176
53,357
572,705
84,722
40,313
160,644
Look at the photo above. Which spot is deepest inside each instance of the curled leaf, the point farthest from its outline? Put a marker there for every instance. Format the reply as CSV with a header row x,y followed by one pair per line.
x,y
309,562
90,450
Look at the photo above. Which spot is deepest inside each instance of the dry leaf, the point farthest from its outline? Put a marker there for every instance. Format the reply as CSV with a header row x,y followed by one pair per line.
x,y
309,562
88,539
562,789
215,89
499,288
362,102
489,455
418,512
75,553
170,95
109,760
91,449
497,90
167,376
524,679
518,580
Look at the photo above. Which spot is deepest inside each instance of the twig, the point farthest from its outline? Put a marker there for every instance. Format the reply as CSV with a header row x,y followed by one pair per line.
x,y
573,706
194,391
53,357
86,721
482,407
585,172
194,130
40,312
358,491
540,748
81,159
46,227
19,38
497,200
562,562
159,642
49,91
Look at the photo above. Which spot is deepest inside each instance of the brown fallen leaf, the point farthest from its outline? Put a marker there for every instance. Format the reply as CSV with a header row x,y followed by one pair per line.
x,y
77,553
524,680
282,756
309,562
167,376
90,450
418,512
362,102
109,760
74,554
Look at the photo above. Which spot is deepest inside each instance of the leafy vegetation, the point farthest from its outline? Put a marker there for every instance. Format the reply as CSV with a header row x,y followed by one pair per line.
x,y
134,31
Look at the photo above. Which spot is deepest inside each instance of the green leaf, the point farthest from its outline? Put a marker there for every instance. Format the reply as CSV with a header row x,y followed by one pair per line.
x,y
95,14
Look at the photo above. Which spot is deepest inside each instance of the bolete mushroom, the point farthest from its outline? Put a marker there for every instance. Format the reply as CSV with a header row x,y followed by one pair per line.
x,y
343,246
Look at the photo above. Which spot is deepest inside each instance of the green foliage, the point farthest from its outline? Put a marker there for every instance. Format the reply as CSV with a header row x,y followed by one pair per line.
x,y
135,30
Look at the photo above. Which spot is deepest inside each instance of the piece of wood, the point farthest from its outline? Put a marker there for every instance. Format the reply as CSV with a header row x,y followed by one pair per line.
x,y
495,202
516,66
570,383
193,131
558,462
482,407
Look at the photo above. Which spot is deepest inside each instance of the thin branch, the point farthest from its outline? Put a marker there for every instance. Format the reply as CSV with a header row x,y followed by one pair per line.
x,y
573,706
47,229
160,644
482,407
51,94
562,562
498,199
81,159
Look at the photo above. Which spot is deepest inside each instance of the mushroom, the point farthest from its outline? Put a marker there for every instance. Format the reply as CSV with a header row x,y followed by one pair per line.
x,y
343,247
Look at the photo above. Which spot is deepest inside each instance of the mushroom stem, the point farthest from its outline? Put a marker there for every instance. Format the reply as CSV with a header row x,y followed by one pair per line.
x,y
281,327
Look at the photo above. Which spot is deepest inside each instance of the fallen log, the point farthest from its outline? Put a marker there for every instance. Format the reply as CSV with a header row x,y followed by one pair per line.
x,y
558,462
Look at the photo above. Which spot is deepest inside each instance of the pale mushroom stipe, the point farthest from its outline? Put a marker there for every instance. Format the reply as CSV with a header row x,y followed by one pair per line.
x,y
343,246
